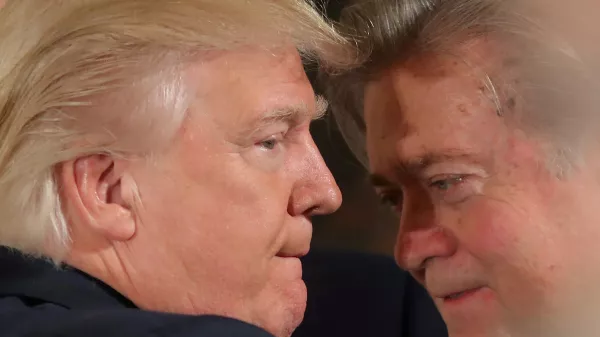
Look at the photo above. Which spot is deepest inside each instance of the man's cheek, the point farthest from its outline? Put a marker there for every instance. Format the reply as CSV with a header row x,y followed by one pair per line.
x,y
515,254
490,232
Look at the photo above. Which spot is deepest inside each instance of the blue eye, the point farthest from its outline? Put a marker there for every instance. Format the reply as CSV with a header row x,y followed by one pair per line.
x,y
446,184
271,143
454,189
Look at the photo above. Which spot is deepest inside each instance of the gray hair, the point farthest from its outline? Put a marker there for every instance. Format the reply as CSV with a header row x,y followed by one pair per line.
x,y
81,77
553,81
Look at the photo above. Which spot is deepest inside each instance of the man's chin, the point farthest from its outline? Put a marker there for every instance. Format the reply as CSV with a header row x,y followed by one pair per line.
x,y
284,318
296,312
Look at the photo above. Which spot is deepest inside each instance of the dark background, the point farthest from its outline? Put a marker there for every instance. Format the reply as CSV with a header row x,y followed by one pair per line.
x,y
362,223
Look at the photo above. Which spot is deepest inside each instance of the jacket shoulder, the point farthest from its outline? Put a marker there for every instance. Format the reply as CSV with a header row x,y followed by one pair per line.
x,y
21,316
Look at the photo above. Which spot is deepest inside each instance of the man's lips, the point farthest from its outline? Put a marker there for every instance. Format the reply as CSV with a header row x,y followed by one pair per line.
x,y
454,296
294,251
297,254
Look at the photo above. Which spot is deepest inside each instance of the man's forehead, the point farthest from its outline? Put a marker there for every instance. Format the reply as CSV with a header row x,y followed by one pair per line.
x,y
254,78
383,111
417,114
424,80
254,56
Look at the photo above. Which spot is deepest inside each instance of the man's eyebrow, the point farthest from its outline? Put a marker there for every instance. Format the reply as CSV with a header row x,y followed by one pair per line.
x,y
415,166
292,113
379,180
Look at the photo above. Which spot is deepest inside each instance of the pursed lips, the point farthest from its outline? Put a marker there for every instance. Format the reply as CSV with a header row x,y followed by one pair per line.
x,y
296,247
291,263
297,252
450,283
458,294
298,255
454,292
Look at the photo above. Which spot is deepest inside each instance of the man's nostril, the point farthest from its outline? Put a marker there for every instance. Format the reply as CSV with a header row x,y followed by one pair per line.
x,y
313,210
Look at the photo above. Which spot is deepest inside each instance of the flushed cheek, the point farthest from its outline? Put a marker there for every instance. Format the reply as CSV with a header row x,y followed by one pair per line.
x,y
516,257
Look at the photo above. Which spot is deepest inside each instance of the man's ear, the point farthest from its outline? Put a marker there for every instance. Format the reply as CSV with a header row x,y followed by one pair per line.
x,y
92,187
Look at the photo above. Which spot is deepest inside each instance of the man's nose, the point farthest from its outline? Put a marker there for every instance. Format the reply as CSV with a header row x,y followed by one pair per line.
x,y
420,239
316,192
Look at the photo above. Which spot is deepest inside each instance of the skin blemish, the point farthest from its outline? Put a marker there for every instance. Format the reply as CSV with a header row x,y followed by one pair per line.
x,y
511,103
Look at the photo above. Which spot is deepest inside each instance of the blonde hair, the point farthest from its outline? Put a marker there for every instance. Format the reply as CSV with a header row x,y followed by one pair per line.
x,y
77,76
551,77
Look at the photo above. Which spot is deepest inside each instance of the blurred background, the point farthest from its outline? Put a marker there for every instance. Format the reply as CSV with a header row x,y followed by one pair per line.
x,y
362,223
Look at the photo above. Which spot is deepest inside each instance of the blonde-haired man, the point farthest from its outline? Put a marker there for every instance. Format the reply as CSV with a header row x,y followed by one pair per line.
x,y
160,150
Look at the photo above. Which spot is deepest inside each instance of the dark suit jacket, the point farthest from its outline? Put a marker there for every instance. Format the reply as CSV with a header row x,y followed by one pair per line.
x,y
37,299
360,295
349,296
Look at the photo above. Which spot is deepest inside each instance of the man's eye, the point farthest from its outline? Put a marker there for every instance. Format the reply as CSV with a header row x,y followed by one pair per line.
x,y
454,189
391,199
446,184
271,142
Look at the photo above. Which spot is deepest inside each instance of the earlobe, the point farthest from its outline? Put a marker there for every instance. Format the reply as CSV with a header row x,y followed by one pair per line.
x,y
96,191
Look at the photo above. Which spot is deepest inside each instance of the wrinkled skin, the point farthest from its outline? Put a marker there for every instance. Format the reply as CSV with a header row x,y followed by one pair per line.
x,y
503,246
224,212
